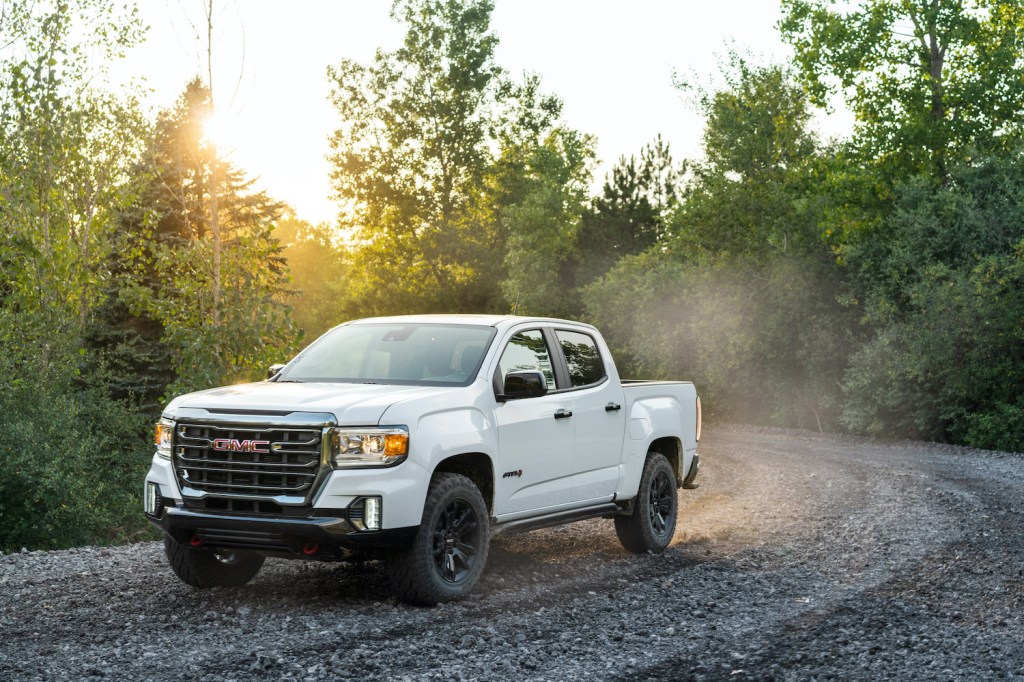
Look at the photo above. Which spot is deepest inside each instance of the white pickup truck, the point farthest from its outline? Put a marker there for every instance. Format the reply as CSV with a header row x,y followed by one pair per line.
x,y
414,439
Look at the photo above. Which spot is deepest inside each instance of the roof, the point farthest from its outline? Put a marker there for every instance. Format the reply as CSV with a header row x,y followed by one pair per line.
x,y
481,320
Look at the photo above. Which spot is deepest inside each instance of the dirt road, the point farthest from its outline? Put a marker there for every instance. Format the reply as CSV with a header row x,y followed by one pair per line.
x,y
801,556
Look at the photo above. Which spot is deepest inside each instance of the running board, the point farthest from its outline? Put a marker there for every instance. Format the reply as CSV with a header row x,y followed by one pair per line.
x,y
557,518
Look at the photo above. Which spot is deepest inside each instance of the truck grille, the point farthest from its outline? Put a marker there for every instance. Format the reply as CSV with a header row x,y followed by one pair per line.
x,y
250,461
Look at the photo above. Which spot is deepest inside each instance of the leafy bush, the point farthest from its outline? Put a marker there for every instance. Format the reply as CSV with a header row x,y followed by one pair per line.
x,y
944,288
73,462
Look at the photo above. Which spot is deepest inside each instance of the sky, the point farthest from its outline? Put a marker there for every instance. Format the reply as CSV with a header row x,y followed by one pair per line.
x,y
611,62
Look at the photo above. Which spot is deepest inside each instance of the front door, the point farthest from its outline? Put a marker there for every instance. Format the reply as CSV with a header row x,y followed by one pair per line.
x,y
535,448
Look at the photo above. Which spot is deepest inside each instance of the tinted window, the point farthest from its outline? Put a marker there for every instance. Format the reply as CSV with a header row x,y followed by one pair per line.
x,y
417,354
526,351
582,357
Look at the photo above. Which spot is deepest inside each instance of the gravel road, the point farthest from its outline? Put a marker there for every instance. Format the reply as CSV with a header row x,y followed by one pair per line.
x,y
802,556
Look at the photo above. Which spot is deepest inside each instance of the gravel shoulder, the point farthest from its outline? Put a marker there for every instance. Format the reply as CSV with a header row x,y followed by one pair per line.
x,y
801,556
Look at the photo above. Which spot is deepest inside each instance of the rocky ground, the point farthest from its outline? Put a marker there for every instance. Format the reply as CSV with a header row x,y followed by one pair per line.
x,y
802,556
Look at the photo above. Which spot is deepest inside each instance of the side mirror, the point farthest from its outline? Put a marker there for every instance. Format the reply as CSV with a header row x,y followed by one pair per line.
x,y
273,370
526,384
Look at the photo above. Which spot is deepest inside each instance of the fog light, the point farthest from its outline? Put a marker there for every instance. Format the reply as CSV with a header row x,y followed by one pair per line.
x,y
371,513
151,497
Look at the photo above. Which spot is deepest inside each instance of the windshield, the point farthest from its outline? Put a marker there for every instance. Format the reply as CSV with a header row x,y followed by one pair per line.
x,y
409,354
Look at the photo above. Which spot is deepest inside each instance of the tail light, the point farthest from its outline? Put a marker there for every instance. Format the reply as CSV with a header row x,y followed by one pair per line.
x,y
698,418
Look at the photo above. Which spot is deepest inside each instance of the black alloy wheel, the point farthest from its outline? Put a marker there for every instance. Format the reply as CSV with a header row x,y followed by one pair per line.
x,y
455,540
662,494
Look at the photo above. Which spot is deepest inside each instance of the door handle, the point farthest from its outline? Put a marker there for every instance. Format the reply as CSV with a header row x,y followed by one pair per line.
x,y
612,407
563,414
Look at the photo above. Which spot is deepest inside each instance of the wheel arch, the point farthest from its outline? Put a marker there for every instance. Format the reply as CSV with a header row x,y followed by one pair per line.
x,y
672,448
477,467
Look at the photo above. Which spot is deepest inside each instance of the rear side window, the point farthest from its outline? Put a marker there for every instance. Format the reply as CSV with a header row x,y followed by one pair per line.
x,y
581,357
526,351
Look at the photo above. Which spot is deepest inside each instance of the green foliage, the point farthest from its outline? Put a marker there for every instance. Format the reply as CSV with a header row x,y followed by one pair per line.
x,y
64,150
741,296
943,283
410,159
73,462
542,225
319,268
630,214
174,277
755,195
105,276
932,82
72,456
441,162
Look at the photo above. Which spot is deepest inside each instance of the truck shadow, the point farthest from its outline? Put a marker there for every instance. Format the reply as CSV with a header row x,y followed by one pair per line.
x,y
560,562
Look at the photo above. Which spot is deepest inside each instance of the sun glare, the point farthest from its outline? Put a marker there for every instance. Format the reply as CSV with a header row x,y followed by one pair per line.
x,y
221,130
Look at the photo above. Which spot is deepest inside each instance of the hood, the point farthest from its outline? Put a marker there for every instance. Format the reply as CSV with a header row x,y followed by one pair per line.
x,y
352,404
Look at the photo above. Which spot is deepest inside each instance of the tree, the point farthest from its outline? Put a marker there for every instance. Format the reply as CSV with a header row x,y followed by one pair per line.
x,y
630,214
741,295
71,454
930,81
942,281
174,272
754,193
541,225
319,268
436,160
65,147
410,159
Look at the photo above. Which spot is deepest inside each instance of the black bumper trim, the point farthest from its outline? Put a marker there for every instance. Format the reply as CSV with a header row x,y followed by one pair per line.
x,y
334,538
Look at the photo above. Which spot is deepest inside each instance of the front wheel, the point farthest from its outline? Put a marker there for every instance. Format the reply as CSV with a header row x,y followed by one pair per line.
x,y
448,555
653,522
203,568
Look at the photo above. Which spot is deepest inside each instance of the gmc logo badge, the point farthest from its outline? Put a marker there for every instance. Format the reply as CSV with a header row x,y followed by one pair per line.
x,y
233,445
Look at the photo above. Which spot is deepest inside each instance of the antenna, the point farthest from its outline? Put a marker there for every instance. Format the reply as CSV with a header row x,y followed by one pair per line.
x,y
515,307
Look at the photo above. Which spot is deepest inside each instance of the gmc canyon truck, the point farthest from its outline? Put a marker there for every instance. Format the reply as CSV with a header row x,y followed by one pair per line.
x,y
413,440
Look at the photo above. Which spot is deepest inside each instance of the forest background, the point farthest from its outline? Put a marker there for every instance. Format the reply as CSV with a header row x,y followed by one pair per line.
x,y
872,284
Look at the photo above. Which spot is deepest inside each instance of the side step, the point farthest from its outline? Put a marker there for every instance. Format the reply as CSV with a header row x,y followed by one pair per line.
x,y
558,518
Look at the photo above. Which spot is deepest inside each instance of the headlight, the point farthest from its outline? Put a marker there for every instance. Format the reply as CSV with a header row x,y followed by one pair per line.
x,y
368,447
164,433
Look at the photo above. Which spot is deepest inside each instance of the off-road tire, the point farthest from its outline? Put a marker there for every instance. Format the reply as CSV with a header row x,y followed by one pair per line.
x,y
448,556
653,522
202,568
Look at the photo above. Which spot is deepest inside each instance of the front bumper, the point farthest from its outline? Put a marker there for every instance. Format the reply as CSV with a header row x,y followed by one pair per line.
x,y
325,535
327,531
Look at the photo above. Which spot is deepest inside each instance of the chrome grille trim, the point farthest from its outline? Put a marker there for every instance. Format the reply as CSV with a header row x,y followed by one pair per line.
x,y
286,474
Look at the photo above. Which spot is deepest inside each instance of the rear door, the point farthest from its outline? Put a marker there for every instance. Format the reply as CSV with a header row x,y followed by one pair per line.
x,y
596,402
535,448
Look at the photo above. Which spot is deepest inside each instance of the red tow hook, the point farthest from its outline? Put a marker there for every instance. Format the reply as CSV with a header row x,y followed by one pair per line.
x,y
310,548
196,541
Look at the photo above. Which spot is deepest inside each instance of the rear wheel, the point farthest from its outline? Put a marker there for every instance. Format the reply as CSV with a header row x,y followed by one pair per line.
x,y
653,522
201,567
448,555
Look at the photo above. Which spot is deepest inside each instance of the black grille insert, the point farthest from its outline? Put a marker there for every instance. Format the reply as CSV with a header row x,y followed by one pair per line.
x,y
247,460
